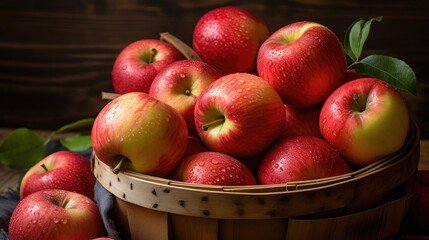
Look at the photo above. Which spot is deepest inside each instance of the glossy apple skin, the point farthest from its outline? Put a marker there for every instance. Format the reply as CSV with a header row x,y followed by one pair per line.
x,y
180,83
228,38
215,168
300,158
304,62
302,121
134,69
66,170
374,128
55,214
420,206
151,134
253,111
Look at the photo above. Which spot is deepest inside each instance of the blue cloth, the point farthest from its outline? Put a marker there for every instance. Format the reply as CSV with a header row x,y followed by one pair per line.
x,y
103,198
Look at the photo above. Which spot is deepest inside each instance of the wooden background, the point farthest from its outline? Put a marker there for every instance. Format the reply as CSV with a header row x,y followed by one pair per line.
x,y
56,56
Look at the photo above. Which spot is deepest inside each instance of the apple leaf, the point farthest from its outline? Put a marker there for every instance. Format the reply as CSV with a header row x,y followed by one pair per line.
x,y
356,36
77,143
22,149
390,69
80,125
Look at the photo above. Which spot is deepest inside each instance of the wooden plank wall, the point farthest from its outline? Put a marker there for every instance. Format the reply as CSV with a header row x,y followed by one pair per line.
x,y
56,56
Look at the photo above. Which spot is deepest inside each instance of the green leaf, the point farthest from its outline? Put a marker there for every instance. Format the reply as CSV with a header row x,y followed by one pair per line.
x,y
22,149
77,143
392,70
83,124
356,36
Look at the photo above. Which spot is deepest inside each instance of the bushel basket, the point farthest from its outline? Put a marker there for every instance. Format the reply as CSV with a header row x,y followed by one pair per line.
x,y
369,203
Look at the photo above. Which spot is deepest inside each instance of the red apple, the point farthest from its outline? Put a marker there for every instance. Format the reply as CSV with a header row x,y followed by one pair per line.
x,y
179,85
228,38
195,145
302,121
420,206
215,168
239,114
300,158
55,214
366,120
148,135
60,170
304,62
139,62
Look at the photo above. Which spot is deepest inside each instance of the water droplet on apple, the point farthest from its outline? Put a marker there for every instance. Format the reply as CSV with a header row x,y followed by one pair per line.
x,y
34,221
124,67
213,170
276,165
334,133
182,75
170,85
240,90
201,164
217,180
64,221
223,170
270,62
56,220
215,162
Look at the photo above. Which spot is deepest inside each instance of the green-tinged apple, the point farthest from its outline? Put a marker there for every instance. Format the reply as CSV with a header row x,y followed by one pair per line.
x,y
420,206
60,170
300,158
215,168
239,114
139,62
148,135
179,85
366,120
55,214
302,121
228,38
303,61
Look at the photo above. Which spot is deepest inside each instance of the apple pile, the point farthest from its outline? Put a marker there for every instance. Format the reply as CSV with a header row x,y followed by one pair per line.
x,y
57,201
255,108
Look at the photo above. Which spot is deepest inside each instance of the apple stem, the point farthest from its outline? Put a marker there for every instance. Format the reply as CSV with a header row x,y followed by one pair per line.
x,y
44,167
356,99
214,122
120,165
188,92
152,54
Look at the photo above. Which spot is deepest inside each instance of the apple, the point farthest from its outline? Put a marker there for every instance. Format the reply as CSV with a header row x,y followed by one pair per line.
x,y
228,38
146,134
420,207
366,120
302,121
139,62
179,85
304,62
60,170
55,214
239,114
300,158
195,145
215,168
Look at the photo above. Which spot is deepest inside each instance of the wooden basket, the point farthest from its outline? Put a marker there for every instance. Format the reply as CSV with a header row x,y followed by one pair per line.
x,y
369,203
